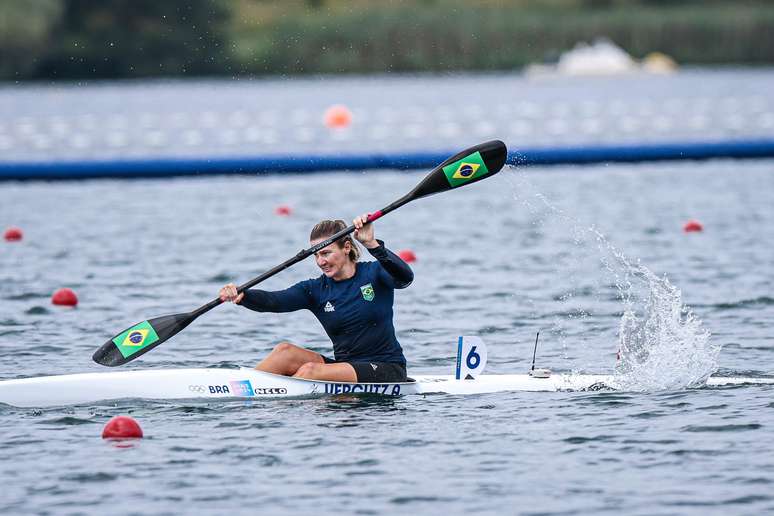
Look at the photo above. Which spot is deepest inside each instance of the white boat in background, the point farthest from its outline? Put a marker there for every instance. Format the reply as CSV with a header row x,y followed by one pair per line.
x,y
602,57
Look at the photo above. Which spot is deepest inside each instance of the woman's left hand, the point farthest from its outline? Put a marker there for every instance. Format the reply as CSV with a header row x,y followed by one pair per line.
x,y
364,231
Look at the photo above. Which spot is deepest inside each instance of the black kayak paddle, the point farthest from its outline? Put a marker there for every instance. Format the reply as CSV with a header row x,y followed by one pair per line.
x,y
464,168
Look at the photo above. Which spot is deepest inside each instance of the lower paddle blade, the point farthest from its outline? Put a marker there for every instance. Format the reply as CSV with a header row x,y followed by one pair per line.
x,y
466,167
141,338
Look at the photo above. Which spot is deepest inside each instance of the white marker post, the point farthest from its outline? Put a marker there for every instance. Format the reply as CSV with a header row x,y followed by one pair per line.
x,y
471,357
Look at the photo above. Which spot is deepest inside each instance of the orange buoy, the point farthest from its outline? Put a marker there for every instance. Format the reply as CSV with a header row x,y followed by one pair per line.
x,y
407,255
122,427
13,234
64,297
337,117
692,226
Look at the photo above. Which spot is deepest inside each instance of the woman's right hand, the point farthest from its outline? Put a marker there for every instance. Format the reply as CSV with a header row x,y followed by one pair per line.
x,y
229,293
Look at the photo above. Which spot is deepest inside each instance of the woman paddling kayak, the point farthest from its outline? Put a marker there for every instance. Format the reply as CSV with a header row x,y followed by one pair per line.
x,y
353,302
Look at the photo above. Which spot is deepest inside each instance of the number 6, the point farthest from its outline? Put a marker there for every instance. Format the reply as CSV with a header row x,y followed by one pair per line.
x,y
473,359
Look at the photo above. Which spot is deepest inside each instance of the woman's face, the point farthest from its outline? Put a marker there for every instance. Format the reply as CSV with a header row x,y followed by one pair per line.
x,y
331,259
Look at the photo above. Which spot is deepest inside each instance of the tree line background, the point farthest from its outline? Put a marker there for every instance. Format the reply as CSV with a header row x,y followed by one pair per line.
x,y
99,39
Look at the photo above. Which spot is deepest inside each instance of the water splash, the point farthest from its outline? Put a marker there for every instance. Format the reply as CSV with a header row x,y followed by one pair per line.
x,y
662,344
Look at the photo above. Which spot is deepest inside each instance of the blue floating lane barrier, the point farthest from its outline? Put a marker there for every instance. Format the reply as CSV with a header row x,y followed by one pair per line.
x,y
164,167
739,149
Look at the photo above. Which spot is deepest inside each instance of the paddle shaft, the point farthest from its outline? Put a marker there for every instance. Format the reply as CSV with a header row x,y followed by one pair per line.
x,y
303,254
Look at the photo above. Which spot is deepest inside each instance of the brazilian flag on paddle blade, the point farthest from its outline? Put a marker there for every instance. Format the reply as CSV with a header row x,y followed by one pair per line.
x,y
462,171
135,338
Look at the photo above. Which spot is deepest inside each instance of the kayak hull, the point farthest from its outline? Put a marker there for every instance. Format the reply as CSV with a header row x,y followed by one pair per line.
x,y
214,384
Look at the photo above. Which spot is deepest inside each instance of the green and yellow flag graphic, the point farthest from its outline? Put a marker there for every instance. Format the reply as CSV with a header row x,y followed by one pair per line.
x,y
135,338
462,171
368,292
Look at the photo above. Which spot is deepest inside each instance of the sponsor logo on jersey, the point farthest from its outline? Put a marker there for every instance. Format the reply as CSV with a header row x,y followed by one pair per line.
x,y
367,291
329,307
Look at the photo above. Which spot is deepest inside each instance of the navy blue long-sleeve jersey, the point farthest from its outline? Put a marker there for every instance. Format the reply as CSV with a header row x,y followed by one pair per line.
x,y
356,313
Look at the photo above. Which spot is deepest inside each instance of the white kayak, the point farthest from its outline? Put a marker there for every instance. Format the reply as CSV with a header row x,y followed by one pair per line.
x,y
211,384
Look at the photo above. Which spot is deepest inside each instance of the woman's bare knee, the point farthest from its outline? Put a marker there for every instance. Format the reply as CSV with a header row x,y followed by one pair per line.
x,y
284,347
286,358
308,370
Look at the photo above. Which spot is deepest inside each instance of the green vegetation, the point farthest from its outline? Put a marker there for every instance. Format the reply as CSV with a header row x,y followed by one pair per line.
x,y
91,39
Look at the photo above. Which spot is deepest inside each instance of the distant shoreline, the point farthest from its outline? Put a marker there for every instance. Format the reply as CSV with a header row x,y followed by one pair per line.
x,y
288,39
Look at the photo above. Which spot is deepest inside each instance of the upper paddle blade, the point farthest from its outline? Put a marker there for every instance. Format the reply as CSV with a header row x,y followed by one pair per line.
x,y
466,167
140,338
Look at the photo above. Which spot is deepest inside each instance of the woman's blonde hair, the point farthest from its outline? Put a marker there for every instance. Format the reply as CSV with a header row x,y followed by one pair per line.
x,y
326,228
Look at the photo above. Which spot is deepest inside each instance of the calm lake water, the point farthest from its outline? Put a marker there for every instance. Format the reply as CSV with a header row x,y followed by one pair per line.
x,y
566,251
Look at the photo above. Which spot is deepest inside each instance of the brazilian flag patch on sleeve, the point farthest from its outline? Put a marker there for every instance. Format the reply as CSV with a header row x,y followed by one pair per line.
x,y
462,171
135,338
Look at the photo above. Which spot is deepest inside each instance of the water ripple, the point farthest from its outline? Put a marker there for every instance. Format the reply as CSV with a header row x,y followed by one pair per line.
x,y
722,428
97,476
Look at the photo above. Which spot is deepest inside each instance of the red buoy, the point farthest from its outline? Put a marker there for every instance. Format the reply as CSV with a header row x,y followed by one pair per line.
x,y
693,225
64,297
283,210
13,234
407,255
337,117
122,427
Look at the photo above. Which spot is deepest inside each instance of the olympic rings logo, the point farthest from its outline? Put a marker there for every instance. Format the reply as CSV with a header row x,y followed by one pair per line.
x,y
196,388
